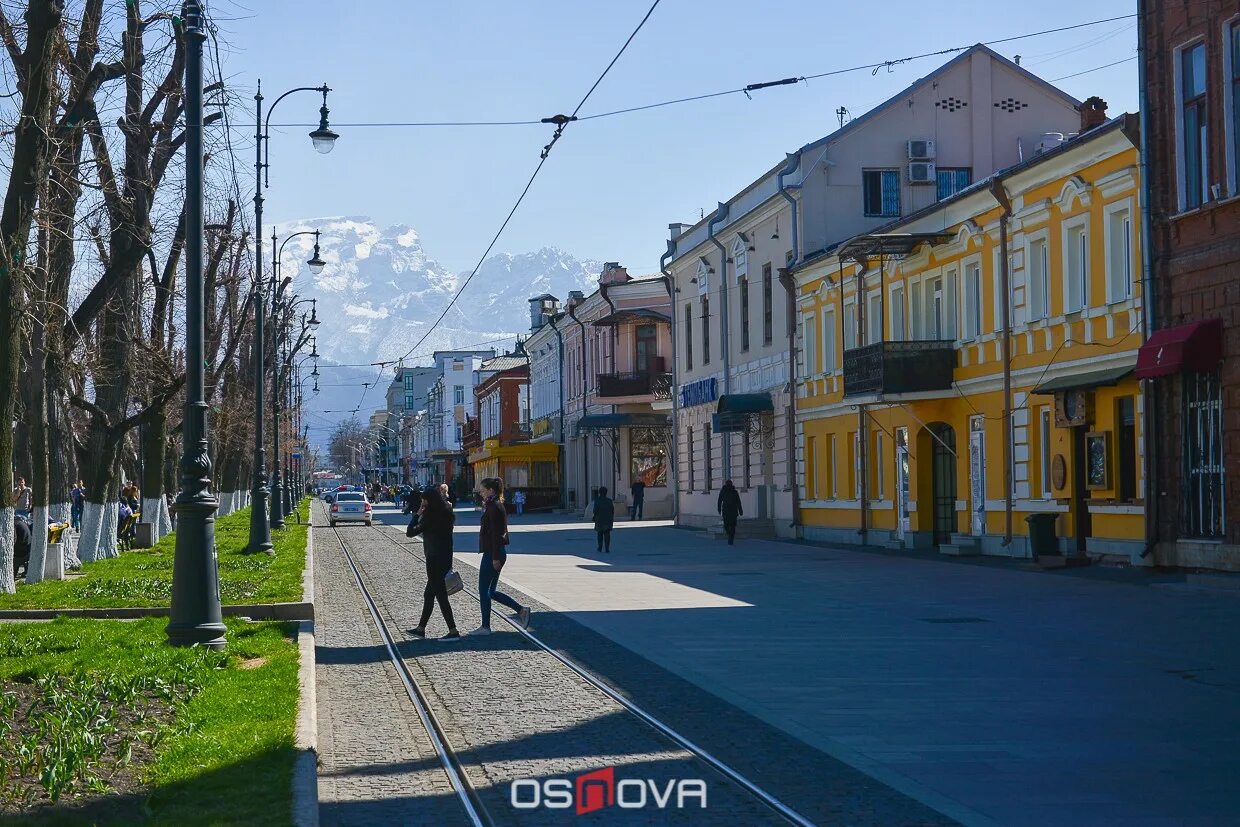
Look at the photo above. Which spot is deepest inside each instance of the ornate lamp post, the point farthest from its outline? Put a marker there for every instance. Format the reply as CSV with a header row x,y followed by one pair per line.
x,y
323,140
194,617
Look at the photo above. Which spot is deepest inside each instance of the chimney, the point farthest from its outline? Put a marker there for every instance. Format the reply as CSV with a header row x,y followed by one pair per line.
x,y
575,297
613,273
675,231
1093,113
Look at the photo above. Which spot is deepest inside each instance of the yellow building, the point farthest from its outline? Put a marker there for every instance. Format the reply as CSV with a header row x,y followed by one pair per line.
x,y
901,424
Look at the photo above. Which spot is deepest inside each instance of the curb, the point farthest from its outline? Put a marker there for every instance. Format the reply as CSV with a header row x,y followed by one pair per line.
x,y
307,575
254,611
306,765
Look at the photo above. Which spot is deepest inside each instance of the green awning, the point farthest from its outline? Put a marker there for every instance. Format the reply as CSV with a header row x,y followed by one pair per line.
x,y
1090,379
743,403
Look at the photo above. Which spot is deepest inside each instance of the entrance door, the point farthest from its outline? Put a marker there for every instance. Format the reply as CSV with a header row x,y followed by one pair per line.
x,y
902,486
943,441
977,476
1080,502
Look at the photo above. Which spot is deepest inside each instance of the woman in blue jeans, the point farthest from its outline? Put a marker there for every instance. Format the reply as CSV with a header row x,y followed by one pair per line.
x,y
492,537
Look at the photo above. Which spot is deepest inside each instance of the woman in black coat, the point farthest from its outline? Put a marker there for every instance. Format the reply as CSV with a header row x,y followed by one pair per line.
x,y
730,508
435,522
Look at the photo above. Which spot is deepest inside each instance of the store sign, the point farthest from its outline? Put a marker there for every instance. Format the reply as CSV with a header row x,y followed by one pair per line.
x,y
699,393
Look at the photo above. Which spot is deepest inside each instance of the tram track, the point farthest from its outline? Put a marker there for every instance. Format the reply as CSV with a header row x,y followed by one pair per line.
x,y
455,767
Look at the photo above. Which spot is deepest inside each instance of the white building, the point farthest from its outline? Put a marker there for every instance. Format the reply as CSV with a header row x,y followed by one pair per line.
x,y
735,325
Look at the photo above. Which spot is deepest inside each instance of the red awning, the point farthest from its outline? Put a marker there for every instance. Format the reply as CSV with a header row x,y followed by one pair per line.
x,y
1194,346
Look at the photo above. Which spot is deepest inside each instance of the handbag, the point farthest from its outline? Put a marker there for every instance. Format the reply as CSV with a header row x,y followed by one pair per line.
x,y
453,581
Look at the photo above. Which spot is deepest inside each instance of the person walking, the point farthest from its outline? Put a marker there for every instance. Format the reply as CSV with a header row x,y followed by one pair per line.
x,y
730,507
492,538
604,516
638,490
518,499
77,500
23,498
435,521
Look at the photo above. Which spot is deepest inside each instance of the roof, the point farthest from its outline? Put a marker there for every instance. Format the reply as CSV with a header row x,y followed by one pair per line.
x,y
635,314
888,244
505,362
769,176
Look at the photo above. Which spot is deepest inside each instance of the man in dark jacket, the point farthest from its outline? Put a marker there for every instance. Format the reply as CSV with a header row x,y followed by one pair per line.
x,y
21,543
435,525
638,490
604,517
730,507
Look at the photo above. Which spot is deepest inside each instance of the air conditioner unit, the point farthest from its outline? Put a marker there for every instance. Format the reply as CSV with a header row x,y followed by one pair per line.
x,y
921,172
921,149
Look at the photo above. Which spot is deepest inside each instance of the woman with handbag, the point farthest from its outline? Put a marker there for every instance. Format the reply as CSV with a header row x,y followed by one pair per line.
x,y
492,538
435,522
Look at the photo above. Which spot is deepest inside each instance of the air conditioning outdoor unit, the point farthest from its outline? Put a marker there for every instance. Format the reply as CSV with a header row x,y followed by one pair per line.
x,y
921,149
921,172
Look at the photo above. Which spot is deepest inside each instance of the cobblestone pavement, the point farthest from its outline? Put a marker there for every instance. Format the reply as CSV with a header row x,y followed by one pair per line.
x,y
513,711
376,763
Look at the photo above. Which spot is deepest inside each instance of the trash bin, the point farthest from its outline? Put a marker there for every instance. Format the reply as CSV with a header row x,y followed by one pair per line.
x,y
1042,540
144,535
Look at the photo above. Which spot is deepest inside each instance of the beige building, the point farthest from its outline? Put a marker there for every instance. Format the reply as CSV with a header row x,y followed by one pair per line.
x,y
733,319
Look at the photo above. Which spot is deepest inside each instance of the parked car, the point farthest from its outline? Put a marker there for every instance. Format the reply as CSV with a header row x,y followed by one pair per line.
x,y
351,507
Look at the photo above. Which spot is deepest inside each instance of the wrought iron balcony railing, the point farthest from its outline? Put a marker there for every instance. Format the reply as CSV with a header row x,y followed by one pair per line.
x,y
899,367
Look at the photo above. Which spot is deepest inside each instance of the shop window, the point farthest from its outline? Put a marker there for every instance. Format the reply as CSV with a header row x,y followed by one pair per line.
x,y
1202,434
647,456
1126,449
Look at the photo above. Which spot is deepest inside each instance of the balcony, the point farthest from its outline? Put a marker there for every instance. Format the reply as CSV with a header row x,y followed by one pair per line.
x,y
654,381
521,432
899,367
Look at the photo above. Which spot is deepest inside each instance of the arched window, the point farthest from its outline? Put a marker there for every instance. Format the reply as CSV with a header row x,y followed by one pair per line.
x,y
740,257
703,277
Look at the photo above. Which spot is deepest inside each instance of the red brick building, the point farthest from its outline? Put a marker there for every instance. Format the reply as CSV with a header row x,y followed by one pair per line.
x,y
1191,71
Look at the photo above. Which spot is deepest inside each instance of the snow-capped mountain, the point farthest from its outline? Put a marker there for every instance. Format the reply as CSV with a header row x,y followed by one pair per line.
x,y
380,292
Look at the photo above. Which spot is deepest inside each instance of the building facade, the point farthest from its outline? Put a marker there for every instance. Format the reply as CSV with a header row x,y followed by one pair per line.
x,y
1191,76
616,375
545,348
407,395
939,407
733,316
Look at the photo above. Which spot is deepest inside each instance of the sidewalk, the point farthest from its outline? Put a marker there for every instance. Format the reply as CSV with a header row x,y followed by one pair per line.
x,y
987,692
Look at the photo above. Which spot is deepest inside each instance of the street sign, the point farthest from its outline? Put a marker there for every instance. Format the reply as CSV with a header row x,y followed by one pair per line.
x,y
297,455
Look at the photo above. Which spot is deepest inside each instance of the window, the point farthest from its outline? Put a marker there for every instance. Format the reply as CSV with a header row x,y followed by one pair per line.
x,y
1203,455
766,304
811,476
856,463
1194,124
692,453
1126,449
744,314
874,318
408,380
951,180
1076,273
881,192
917,309
409,402
828,340
897,313
880,476
935,317
705,330
706,453
647,456
1044,451
458,395
460,432
746,448
688,337
646,348
1119,256
972,302
740,258
1235,107
1039,280
809,337
830,488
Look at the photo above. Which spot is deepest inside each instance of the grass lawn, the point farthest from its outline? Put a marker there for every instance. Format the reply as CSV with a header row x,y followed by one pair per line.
x,y
143,577
173,735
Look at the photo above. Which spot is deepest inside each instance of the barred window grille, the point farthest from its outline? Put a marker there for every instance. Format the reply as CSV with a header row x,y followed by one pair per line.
x,y
1203,455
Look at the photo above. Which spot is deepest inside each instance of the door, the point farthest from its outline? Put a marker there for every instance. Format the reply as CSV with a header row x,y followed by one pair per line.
x,y
943,481
1080,500
645,347
902,486
977,476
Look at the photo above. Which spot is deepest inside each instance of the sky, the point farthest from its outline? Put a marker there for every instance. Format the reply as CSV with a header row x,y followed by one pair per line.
x,y
612,185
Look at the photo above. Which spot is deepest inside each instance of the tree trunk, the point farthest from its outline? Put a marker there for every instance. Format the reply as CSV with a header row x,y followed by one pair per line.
x,y
154,463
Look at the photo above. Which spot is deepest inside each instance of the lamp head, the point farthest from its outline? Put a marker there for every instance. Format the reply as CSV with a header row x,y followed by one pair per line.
x,y
323,138
313,321
316,263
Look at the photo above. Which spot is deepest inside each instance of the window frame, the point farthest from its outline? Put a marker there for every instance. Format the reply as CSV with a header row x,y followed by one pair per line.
x,y
874,331
883,176
768,309
743,284
1045,425
809,343
689,335
956,186
974,312
1110,213
1231,100
830,362
705,330
1198,103
1071,226
1033,241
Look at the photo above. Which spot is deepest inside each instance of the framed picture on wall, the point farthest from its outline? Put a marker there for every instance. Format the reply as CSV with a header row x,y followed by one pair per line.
x,y
1098,460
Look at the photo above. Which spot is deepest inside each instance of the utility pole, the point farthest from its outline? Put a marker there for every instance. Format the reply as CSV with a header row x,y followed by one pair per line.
x,y
194,618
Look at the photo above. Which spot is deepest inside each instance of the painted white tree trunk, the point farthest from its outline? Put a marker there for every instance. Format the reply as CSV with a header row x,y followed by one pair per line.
x,y
92,524
165,517
38,545
225,504
155,512
60,512
7,583
107,534
69,546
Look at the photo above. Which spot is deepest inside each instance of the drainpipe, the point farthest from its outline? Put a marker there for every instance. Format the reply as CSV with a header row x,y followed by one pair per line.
x,y
669,285
719,217
585,442
1000,194
615,447
793,160
559,337
1148,310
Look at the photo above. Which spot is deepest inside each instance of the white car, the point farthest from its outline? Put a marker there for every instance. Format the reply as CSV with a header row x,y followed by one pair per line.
x,y
351,507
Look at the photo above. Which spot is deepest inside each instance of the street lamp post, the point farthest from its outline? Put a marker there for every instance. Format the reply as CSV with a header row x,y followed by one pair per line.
x,y
281,364
323,139
194,618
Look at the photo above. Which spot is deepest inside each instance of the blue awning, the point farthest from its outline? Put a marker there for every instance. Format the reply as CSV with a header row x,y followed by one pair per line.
x,y
743,403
